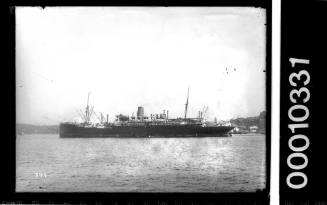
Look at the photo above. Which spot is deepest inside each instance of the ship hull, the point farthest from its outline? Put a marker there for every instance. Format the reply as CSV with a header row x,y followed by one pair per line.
x,y
153,131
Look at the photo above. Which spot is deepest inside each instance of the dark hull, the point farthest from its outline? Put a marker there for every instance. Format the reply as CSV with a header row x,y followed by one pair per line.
x,y
164,131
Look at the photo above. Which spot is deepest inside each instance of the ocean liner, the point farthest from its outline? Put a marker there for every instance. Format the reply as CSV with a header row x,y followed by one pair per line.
x,y
142,126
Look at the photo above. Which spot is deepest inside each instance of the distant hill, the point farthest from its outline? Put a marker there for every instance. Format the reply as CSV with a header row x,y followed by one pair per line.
x,y
245,123
36,129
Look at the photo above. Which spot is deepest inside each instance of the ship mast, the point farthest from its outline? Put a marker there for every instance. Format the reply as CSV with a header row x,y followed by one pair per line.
x,y
87,110
186,104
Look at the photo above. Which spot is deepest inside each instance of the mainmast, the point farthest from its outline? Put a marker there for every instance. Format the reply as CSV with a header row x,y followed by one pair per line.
x,y
186,105
87,110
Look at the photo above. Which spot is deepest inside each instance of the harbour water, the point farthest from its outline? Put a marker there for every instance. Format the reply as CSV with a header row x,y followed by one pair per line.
x,y
47,163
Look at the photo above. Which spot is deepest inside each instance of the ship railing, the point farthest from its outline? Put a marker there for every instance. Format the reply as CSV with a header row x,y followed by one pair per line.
x,y
154,123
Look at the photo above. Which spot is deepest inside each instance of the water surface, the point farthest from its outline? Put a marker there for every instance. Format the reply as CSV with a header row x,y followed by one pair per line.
x,y
47,163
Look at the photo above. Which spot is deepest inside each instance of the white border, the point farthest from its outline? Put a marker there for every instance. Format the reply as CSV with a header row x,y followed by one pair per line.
x,y
275,98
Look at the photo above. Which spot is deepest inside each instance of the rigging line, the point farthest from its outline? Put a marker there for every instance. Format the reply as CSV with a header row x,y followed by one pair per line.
x,y
42,76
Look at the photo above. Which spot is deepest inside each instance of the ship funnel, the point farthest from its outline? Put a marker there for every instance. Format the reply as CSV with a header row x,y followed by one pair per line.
x,y
140,113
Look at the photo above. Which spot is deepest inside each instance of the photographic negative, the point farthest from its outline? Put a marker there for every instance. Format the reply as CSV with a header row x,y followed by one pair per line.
x,y
141,99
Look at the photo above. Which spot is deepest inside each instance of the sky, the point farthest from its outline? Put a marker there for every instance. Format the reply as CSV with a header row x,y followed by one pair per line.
x,y
133,56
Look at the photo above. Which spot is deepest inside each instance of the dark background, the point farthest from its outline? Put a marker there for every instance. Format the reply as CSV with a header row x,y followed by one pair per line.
x,y
7,178
303,35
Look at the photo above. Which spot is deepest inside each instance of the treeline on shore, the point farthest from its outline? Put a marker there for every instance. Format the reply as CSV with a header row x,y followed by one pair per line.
x,y
36,129
244,124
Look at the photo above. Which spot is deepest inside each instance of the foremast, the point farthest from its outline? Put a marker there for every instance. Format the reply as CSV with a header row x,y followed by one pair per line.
x,y
186,104
86,115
